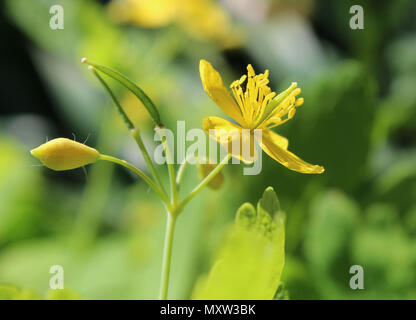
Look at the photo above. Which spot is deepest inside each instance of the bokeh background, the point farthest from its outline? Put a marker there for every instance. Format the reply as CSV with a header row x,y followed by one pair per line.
x,y
106,228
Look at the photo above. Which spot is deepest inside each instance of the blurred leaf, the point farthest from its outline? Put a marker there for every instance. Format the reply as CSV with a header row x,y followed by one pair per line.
x,y
382,216
388,257
12,292
332,128
395,113
250,261
20,202
34,19
382,20
333,218
397,182
410,221
63,294
297,278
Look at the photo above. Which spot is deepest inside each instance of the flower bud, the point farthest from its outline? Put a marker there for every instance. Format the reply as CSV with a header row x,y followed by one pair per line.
x,y
65,154
204,169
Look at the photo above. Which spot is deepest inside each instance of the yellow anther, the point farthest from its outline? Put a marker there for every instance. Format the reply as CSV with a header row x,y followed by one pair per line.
x,y
292,112
250,70
299,102
242,79
296,92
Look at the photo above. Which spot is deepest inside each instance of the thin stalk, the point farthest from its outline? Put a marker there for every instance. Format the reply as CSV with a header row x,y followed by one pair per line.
x,y
171,170
136,135
137,171
167,255
181,170
207,180
133,131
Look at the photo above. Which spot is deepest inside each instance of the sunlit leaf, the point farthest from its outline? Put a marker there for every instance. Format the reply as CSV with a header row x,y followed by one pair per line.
x,y
251,257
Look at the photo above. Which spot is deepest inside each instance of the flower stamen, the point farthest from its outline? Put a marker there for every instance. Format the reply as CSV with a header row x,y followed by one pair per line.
x,y
257,94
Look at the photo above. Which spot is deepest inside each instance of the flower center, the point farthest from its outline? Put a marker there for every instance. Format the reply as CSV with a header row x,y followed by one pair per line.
x,y
259,105
254,99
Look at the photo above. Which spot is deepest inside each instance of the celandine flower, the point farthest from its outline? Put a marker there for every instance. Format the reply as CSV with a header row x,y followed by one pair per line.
x,y
65,154
254,107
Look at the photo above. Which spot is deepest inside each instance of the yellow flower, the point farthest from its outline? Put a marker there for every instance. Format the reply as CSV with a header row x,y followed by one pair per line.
x,y
202,19
65,154
256,107
147,13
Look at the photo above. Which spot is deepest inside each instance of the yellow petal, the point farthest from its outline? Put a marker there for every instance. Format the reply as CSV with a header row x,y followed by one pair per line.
x,y
275,138
226,133
273,146
214,87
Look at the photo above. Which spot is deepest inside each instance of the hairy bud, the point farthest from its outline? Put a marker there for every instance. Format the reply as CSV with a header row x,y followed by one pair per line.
x,y
65,154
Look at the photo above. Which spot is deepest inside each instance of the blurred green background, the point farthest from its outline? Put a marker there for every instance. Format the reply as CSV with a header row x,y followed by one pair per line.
x,y
106,229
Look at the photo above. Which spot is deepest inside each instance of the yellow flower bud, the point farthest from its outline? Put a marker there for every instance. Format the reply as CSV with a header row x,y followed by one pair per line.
x,y
65,154
204,169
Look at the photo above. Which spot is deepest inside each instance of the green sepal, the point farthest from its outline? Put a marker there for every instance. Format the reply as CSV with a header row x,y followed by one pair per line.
x,y
123,115
130,85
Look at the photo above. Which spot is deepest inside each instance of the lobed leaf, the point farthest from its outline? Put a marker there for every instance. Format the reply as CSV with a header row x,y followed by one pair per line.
x,y
250,261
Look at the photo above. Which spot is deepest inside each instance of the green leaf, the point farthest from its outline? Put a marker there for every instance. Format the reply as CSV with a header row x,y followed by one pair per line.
x,y
250,260
130,85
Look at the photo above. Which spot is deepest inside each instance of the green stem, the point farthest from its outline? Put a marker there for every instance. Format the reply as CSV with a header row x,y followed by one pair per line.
x,y
136,135
171,220
181,170
137,171
171,170
207,180
167,255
